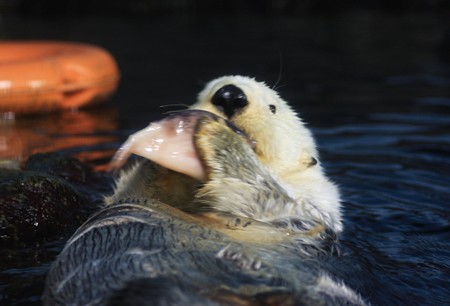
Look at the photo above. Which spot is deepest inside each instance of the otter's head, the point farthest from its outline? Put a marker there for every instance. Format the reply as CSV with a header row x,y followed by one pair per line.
x,y
282,141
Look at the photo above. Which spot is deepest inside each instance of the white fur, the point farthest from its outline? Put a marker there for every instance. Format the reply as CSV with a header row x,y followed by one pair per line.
x,y
283,144
326,285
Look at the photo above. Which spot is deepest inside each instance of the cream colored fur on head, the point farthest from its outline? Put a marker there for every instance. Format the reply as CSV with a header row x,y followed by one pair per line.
x,y
283,144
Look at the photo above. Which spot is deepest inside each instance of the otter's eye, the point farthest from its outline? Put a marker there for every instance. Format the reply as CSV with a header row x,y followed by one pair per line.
x,y
273,108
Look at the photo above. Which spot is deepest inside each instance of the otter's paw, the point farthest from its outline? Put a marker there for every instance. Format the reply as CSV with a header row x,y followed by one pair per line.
x,y
225,150
237,223
241,257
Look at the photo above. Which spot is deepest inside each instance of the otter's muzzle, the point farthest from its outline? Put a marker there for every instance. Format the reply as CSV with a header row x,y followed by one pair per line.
x,y
229,99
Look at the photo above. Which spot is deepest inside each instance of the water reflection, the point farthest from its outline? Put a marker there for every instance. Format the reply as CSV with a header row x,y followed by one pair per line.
x,y
86,133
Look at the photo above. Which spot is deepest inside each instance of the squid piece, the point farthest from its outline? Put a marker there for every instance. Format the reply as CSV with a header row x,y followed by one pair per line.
x,y
169,143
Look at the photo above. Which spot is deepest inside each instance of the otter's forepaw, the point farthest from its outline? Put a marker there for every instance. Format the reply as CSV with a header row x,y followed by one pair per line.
x,y
241,257
225,150
238,223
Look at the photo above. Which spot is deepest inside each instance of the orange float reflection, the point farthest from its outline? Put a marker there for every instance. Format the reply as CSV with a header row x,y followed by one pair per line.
x,y
81,131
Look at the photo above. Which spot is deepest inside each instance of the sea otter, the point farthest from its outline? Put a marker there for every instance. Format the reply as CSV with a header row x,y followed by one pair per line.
x,y
282,144
219,215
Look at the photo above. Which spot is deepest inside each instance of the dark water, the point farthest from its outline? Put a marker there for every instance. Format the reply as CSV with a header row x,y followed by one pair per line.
x,y
375,89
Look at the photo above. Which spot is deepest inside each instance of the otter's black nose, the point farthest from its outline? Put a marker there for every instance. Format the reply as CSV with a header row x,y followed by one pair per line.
x,y
229,99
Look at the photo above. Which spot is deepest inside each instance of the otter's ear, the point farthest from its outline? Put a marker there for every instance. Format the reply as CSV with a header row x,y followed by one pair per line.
x,y
307,160
273,108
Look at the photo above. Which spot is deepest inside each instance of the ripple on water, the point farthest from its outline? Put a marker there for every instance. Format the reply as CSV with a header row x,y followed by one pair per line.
x,y
394,173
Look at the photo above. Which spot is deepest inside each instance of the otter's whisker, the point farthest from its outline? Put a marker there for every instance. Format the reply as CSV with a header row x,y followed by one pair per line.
x,y
280,71
173,111
185,106
175,104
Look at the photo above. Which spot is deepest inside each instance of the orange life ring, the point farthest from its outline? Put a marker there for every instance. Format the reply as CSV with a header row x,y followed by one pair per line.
x,y
39,77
